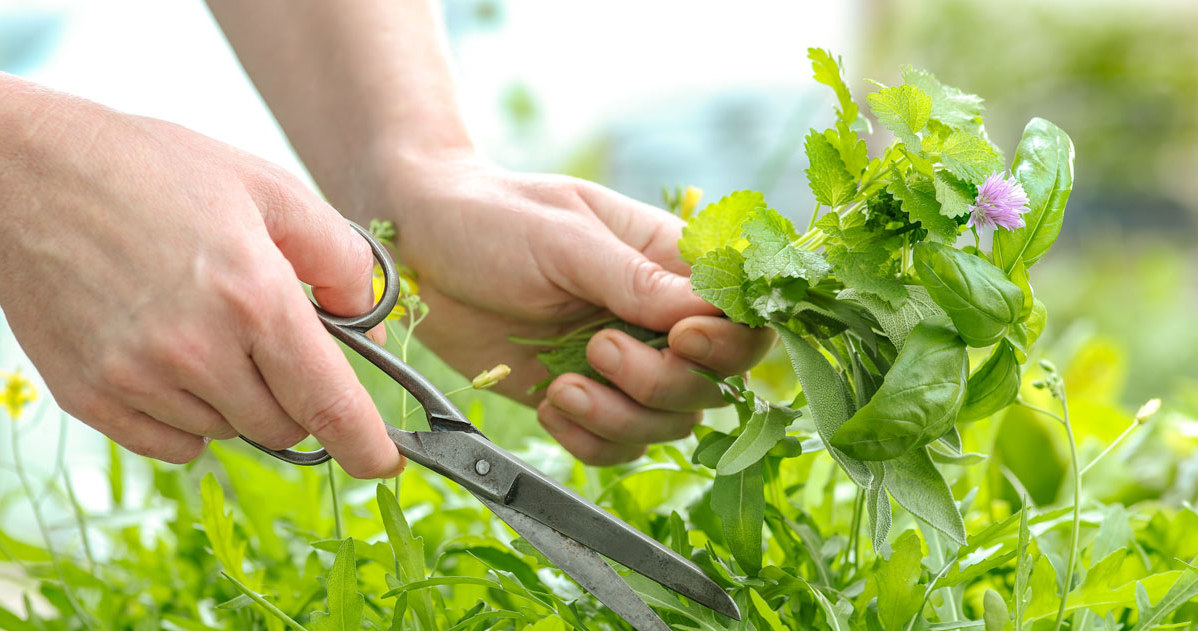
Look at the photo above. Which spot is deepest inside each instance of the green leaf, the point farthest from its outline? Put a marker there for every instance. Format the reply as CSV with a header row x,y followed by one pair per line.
x,y
826,398
218,525
828,72
978,297
1023,565
969,156
1024,334
770,253
266,605
718,225
993,386
764,429
1182,592
949,105
994,611
918,399
344,601
776,300
1044,166
827,174
955,196
900,596
877,504
918,198
868,271
903,110
1023,281
854,153
916,484
408,550
739,500
765,612
896,320
711,448
718,277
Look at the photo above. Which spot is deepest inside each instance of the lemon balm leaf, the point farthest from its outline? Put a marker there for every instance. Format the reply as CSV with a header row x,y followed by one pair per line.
x,y
830,181
827,70
904,110
770,253
950,106
718,277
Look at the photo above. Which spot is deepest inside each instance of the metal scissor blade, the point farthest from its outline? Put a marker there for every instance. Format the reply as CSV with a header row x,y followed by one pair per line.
x,y
585,566
576,518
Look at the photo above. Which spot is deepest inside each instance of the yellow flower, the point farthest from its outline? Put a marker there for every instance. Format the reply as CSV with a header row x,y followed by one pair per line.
x,y
17,393
689,202
407,287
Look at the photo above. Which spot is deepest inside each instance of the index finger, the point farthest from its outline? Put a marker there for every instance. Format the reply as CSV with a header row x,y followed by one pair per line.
x,y
315,385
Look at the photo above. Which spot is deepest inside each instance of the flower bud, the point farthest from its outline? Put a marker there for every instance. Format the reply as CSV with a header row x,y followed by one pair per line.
x,y
489,378
1039,384
689,202
1048,366
1148,410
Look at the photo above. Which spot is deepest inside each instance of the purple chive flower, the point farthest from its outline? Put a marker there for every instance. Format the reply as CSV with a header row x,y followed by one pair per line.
x,y
1000,202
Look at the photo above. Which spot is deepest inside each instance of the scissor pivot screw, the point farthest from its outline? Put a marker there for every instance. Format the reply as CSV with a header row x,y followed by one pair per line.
x,y
482,467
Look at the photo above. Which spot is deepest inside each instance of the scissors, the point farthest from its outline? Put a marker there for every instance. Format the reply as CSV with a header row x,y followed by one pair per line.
x,y
568,529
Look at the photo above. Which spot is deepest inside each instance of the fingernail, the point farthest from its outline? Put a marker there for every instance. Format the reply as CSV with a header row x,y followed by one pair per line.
x,y
693,344
604,356
571,400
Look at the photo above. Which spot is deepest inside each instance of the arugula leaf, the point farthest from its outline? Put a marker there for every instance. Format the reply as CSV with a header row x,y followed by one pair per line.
x,y
955,195
969,156
1044,166
900,596
918,197
344,601
218,525
904,110
739,500
718,225
918,400
1182,592
770,253
828,72
994,611
950,106
718,277
827,175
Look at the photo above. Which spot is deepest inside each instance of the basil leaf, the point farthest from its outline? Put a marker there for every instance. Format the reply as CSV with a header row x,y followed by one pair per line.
x,y
1044,166
739,500
1023,281
761,433
916,484
826,398
994,386
918,400
1024,334
978,297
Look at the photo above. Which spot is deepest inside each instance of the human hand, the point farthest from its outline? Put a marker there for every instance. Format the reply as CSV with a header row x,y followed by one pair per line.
x,y
150,274
499,253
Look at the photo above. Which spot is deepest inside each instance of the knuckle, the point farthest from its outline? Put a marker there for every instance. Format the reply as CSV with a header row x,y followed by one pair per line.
x,y
336,417
646,278
120,373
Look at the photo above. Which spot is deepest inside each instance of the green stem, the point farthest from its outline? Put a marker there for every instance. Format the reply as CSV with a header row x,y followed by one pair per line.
x,y
1075,531
265,604
41,526
336,505
76,507
814,216
927,594
854,548
1111,447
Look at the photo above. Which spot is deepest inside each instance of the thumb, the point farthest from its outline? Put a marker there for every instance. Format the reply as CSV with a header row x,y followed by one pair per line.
x,y
608,272
323,249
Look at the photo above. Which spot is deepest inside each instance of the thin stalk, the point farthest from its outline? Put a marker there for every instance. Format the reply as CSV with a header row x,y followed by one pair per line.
x,y
41,526
927,594
855,529
264,604
76,507
1111,447
336,504
1074,533
814,215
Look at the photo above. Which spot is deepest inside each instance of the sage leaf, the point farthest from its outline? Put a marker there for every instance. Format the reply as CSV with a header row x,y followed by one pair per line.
x,y
978,297
896,320
1044,166
918,400
739,500
877,504
994,611
917,485
826,398
993,386
761,433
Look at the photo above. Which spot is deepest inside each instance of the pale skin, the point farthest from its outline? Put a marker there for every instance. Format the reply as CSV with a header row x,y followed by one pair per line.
x,y
151,274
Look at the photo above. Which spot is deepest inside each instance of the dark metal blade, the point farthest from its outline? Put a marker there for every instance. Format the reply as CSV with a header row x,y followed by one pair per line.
x,y
585,566
577,518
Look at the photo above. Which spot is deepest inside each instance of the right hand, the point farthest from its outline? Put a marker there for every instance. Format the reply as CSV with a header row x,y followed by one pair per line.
x,y
150,274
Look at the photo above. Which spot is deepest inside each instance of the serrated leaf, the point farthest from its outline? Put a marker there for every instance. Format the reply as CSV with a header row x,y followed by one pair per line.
x,y
829,179
344,601
918,199
969,157
852,149
827,71
718,277
904,110
770,253
917,485
896,320
955,196
950,106
218,525
900,596
718,225
1044,167
1183,591
867,270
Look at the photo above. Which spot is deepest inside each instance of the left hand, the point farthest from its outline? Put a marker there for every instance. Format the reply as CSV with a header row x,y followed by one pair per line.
x,y
500,253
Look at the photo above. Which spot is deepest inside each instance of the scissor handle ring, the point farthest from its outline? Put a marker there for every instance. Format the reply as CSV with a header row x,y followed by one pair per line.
x,y
362,323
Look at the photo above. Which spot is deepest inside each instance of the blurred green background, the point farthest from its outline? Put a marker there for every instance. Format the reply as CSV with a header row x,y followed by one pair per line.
x,y
639,96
